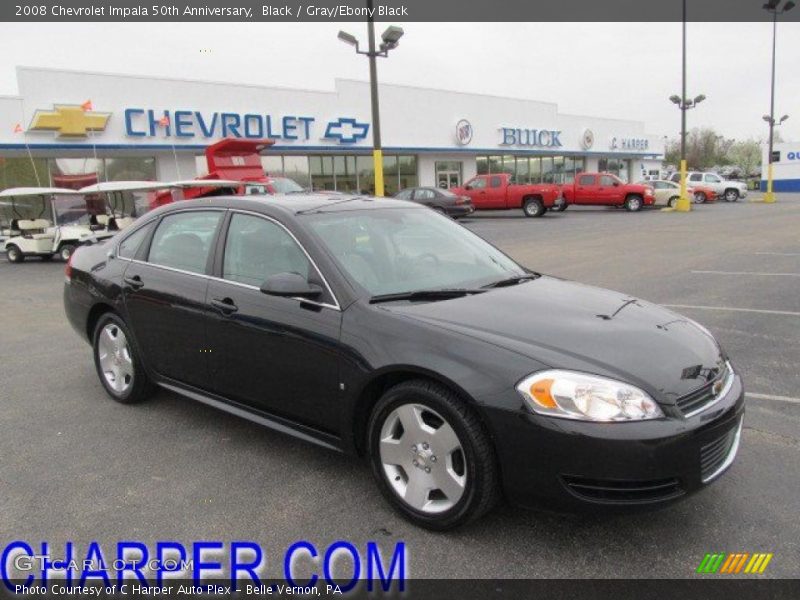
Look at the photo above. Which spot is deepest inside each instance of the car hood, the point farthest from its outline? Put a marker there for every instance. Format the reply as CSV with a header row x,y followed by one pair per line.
x,y
562,324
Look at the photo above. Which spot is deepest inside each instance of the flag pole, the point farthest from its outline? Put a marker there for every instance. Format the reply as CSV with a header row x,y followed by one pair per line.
x,y
19,129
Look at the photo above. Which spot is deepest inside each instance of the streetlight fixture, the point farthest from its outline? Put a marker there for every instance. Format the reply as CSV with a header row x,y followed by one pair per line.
x,y
773,7
684,103
390,39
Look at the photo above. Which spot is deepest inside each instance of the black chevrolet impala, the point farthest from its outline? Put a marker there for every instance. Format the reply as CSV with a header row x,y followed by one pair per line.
x,y
379,328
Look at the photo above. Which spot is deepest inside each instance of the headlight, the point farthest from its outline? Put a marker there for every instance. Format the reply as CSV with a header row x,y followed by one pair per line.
x,y
572,395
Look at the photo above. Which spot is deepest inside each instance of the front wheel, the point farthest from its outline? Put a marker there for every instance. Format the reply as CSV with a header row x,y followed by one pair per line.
x,y
731,195
117,361
533,207
431,456
14,254
633,203
66,251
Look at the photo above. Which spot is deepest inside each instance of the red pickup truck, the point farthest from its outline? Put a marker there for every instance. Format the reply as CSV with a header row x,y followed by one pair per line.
x,y
605,189
498,192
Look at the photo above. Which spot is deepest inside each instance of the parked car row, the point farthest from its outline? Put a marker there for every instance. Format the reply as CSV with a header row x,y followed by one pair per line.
x,y
500,191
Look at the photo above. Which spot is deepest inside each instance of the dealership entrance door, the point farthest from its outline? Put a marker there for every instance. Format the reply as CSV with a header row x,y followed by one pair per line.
x,y
448,174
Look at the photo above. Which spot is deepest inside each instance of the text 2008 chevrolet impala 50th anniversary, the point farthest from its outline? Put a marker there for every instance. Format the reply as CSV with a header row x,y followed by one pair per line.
x,y
380,328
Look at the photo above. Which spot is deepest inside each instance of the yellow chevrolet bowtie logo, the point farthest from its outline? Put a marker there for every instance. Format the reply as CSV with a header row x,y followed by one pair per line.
x,y
69,120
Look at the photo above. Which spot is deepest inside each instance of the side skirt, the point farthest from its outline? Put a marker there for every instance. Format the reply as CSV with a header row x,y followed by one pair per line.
x,y
302,432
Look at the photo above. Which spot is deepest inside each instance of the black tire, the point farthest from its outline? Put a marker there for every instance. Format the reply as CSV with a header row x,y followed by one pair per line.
x,y
141,387
731,195
700,198
634,203
482,485
561,207
66,251
672,201
533,207
14,254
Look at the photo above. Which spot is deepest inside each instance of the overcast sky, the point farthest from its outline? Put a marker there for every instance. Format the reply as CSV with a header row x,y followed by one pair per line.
x,y
620,70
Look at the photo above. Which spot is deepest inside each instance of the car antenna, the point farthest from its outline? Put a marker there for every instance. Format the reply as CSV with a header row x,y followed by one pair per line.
x,y
305,211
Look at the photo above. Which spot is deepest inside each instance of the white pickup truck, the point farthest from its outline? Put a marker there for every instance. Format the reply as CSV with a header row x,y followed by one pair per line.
x,y
731,191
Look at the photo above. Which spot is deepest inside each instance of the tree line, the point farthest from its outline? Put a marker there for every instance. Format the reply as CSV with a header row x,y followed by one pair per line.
x,y
706,150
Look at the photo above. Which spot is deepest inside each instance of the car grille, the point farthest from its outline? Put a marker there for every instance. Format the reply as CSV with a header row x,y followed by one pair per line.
x,y
714,454
624,492
701,398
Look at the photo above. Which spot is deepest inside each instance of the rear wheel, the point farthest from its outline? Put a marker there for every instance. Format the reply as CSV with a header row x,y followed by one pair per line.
x,y
699,198
633,203
533,207
66,251
117,361
431,457
14,254
731,195
561,207
672,201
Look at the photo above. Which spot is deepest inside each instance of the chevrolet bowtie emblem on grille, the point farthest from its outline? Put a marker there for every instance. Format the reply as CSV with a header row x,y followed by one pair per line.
x,y
346,131
69,120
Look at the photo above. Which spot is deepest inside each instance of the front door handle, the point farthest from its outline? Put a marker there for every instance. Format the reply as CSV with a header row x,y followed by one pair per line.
x,y
134,282
225,305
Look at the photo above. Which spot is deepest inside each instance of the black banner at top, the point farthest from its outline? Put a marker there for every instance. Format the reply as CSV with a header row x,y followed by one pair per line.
x,y
476,11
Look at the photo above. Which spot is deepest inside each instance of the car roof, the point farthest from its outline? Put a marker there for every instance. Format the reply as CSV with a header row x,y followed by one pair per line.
x,y
293,204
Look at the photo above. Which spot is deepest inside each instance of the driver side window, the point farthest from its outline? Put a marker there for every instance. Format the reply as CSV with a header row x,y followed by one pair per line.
x,y
257,248
477,184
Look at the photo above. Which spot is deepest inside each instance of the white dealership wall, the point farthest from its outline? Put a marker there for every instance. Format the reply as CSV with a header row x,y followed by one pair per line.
x,y
415,121
785,171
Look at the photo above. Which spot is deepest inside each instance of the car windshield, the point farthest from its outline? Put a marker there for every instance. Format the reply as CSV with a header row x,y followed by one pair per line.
x,y
397,250
284,185
71,210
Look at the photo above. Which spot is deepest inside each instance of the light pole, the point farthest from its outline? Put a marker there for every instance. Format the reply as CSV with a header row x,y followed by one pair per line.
x,y
389,40
772,7
684,204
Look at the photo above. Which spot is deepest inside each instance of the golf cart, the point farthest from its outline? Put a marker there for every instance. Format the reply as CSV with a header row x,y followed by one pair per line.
x,y
46,222
122,201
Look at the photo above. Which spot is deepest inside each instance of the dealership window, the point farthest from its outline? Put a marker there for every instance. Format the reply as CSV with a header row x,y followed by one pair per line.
x,y
23,172
344,170
449,173
482,164
75,173
532,169
273,164
297,169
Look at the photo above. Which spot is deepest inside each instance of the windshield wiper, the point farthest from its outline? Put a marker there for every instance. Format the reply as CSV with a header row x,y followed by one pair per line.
x,y
512,280
443,294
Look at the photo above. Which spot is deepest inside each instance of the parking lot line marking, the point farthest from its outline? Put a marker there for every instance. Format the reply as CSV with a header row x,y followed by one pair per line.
x,y
772,397
746,273
779,253
787,313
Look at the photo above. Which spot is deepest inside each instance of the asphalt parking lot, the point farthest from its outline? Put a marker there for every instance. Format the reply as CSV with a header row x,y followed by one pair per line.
x,y
77,466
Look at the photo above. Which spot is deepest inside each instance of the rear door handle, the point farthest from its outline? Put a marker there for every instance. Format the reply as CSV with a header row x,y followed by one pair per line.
x,y
226,305
135,282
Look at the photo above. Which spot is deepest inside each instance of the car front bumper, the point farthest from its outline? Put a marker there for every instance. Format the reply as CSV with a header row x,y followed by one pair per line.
x,y
570,465
460,210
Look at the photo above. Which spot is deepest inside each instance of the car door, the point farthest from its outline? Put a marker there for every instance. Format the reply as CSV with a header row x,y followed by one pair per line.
x,y
607,192
496,192
476,190
275,354
715,182
585,189
164,292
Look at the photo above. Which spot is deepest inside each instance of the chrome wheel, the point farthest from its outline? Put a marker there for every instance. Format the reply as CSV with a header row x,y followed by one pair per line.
x,y
422,458
731,195
114,356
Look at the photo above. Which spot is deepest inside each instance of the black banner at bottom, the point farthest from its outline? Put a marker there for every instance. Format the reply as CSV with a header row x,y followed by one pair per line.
x,y
464,589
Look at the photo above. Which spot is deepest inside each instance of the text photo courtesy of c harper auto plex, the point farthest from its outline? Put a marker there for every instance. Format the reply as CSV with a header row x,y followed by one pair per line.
x,y
368,299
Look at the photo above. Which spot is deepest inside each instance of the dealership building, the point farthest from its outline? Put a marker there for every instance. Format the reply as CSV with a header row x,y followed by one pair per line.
x,y
785,168
70,128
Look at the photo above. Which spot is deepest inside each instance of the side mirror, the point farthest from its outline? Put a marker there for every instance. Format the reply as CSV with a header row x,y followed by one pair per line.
x,y
291,285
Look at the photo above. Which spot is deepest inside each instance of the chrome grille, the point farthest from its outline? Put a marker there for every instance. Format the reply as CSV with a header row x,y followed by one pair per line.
x,y
701,398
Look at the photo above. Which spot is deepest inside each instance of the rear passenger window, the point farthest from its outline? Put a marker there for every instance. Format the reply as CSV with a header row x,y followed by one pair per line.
x,y
696,177
129,246
257,248
183,240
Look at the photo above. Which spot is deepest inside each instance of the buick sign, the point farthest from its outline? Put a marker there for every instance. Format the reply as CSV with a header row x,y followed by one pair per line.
x,y
463,132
